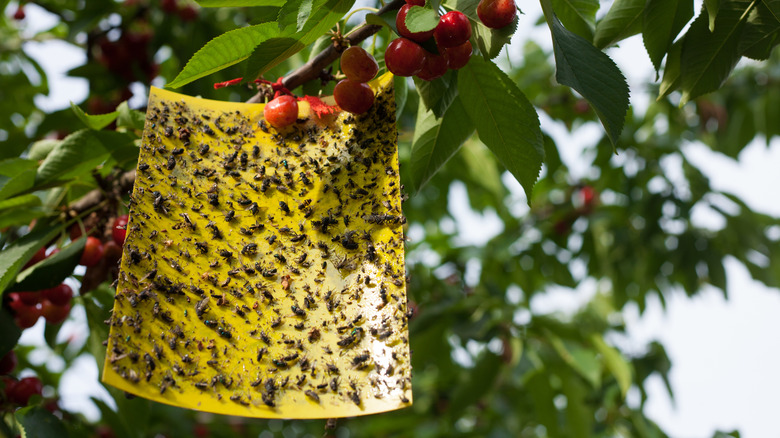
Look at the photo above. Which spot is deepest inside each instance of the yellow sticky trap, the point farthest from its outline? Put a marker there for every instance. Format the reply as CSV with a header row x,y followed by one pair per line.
x,y
263,271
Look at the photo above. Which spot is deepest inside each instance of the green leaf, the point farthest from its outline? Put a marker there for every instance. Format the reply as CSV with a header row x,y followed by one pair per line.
x,y
479,382
303,14
593,74
712,7
41,148
541,392
16,176
129,118
238,3
52,270
623,20
78,153
10,331
615,362
98,304
671,78
662,21
761,34
83,151
96,122
270,53
438,94
580,359
23,201
420,19
38,422
579,418
225,50
708,57
293,15
505,120
482,167
579,16
437,140
387,20
15,255
488,41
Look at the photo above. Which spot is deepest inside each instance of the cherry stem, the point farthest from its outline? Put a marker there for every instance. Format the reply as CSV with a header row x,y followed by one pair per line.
x,y
311,70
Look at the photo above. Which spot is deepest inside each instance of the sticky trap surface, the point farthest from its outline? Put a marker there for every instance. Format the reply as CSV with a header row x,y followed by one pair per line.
x,y
263,271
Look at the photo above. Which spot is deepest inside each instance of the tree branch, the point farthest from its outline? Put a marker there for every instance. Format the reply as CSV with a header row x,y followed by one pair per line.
x,y
305,73
312,69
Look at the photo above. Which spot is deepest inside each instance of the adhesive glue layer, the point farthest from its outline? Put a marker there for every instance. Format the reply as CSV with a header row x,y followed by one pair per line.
x,y
263,271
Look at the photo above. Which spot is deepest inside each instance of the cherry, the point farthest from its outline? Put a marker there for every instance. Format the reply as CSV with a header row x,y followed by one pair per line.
x,y
59,295
453,30
458,56
8,363
496,14
188,13
352,96
415,2
20,392
37,257
112,252
19,14
54,313
358,65
400,24
404,57
30,298
282,111
587,198
434,67
93,251
169,6
27,316
119,229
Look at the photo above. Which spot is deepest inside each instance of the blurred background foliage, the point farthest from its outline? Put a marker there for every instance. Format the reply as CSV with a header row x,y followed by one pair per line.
x,y
484,363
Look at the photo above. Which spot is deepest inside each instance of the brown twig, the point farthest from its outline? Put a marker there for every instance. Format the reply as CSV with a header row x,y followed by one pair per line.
x,y
307,72
312,69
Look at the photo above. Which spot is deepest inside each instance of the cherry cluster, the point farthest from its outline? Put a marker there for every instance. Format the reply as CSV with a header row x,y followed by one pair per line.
x,y
16,392
353,93
405,56
54,304
129,57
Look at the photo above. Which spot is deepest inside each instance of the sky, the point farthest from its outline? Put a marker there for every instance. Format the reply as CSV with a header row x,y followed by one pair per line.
x,y
725,353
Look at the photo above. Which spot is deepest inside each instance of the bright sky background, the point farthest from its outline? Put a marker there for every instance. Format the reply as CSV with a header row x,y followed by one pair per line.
x,y
725,354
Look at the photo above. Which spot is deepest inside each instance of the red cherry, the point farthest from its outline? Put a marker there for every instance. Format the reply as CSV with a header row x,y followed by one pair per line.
x,y
400,24
496,14
282,111
352,96
358,65
119,229
434,67
453,30
458,56
19,14
588,198
112,252
8,363
20,392
188,13
93,251
404,57
59,295
30,298
27,316
169,6
37,257
54,313
415,2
